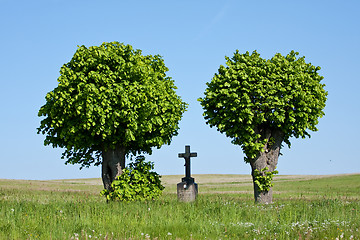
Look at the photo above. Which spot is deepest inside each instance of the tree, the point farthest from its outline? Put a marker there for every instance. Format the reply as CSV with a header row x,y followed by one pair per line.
x,y
260,104
110,101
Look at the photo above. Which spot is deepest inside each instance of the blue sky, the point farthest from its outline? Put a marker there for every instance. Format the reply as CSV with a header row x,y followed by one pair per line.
x,y
38,37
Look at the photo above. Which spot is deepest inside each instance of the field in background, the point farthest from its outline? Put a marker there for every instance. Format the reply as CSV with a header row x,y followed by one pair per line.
x,y
305,207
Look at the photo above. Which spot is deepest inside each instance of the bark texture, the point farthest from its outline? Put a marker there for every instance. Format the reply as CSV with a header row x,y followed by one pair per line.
x,y
268,158
112,165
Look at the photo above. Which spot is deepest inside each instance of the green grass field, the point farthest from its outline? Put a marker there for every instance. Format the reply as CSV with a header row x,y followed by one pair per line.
x,y
305,207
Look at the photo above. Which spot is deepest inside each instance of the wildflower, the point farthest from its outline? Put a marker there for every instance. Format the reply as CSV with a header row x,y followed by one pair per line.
x,y
12,210
169,233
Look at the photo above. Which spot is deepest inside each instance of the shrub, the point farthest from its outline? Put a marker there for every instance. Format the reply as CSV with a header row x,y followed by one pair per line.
x,y
136,183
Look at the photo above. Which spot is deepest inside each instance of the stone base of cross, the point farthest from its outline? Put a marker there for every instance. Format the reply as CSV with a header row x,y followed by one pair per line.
x,y
187,190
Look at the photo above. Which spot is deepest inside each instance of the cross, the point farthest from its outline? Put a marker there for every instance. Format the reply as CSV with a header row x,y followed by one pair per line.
x,y
187,155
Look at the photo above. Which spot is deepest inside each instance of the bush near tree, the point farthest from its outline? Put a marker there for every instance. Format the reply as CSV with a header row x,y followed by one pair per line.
x,y
136,183
262,103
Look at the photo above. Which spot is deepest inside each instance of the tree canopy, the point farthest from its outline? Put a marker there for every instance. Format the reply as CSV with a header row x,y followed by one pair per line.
x,y
252,95
109,95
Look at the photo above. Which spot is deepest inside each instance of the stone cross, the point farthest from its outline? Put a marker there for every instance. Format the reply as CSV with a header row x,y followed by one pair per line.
x,y
187,155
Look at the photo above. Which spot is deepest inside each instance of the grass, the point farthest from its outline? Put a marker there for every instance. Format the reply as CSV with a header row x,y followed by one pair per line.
x,y
305,207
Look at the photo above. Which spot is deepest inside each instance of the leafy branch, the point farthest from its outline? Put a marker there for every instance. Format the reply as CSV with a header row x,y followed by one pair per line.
x,y
263,179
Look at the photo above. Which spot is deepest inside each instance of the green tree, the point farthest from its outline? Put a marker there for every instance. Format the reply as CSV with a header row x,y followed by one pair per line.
x,y
110,101
260,104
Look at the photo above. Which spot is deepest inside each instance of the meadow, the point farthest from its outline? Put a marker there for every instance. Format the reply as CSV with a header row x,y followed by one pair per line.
x,y
305,207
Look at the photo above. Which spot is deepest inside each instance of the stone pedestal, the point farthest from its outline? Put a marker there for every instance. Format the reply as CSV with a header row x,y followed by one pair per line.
x,y
187,191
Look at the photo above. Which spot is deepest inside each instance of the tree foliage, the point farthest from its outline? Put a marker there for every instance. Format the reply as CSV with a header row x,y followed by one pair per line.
x,y
263,179
137,183
252,94
109,95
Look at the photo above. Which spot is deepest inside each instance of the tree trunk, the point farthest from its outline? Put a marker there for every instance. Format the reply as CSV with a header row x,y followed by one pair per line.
x,y
267,158
112,165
